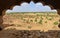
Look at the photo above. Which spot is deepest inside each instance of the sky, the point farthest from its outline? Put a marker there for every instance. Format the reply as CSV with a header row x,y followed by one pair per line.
x,y
31,7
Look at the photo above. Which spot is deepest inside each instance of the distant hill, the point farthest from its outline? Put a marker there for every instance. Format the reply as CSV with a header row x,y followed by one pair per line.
x,y
31,12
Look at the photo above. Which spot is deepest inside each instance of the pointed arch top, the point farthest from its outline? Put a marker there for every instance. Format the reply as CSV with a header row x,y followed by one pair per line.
x,y
6,4
9,4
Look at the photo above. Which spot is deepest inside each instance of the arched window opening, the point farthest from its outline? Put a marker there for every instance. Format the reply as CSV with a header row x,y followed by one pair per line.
x,y
31,16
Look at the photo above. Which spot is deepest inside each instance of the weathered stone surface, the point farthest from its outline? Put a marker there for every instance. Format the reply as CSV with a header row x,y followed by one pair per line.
x,y
29,34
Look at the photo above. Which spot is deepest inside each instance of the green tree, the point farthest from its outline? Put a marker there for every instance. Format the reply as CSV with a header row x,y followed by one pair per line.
x,y
56,23
35,20
40,21
31,20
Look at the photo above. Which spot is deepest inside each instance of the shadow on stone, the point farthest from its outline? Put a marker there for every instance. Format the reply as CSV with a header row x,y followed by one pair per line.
x,y
13,33
59,25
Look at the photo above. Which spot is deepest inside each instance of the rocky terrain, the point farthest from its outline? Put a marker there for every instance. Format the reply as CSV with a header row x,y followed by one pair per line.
x,y
29,34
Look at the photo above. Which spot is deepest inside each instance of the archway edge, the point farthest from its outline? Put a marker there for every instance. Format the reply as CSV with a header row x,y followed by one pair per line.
x,y
9,4
11,7
19,3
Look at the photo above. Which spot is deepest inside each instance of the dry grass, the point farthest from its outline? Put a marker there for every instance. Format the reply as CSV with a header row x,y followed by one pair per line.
x,y
32,21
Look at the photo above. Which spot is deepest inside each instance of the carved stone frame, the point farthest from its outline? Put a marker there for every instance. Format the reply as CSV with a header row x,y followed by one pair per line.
x,y
2,11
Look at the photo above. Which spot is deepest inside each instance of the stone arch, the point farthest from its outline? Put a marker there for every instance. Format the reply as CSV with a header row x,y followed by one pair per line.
x,y
10,4
19,3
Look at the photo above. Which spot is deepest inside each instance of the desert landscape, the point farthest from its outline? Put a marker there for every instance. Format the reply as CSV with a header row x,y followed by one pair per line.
x,y
42,21
30,25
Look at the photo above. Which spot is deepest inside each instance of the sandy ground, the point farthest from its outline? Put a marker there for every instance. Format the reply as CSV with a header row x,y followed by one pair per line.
x,y
16,23
20,24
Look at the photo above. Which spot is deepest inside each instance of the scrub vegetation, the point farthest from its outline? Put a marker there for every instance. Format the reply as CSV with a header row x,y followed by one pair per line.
x,y
36,20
